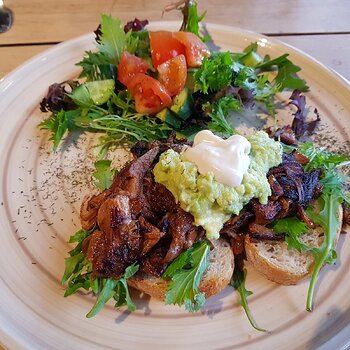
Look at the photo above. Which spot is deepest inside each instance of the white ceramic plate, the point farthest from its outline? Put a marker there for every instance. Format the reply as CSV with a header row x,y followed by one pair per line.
x,y
40,194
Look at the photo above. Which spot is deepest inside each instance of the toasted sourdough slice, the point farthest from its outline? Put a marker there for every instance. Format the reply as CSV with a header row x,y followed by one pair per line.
x,y
285,266
214,280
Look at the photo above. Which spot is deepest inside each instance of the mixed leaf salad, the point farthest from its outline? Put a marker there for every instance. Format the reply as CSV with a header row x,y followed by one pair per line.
x,y
141,85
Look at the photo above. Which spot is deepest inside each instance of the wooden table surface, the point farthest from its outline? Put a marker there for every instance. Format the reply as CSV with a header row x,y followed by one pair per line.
x,y
320,28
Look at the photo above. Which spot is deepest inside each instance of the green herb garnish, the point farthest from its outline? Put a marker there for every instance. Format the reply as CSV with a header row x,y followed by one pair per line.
x,y
219,115
215,72
103,174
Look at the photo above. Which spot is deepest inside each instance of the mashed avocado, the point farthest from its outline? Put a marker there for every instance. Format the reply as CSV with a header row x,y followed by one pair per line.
x,y
210,202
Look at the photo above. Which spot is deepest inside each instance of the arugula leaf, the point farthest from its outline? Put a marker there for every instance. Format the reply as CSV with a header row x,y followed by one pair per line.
x,y
215,72
245,77
77,268
185,277
103,174
293,227
331,179
59,123
288,79
107,292
78,273
81,281
319,157
73,264
79,236
117,289
332,196
177,264
329,221
122,296
219,114
238,283
287,76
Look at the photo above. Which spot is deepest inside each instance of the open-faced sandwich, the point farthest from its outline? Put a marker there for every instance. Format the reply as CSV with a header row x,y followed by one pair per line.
x,y
179,220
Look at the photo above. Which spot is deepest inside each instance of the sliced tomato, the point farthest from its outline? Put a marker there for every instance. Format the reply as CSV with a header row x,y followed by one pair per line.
x,y
195,50
164,47
130,65
173,74
149,94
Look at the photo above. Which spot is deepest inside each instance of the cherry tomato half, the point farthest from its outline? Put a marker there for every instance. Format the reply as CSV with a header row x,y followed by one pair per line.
x,y
130,65
164,47
149,94
195,50
173,74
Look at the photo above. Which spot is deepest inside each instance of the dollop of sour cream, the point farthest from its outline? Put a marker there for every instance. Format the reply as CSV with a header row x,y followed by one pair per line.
x,y
228,160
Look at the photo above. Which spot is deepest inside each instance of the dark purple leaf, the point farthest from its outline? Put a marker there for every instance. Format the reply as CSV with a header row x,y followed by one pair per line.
x,y
301,127
135,26
57,99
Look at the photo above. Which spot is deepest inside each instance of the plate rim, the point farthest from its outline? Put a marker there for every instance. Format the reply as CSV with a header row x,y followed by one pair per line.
x,y
15,74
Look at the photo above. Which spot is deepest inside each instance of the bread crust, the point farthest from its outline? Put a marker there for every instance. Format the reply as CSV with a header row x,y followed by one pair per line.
x,y
215,279
264,256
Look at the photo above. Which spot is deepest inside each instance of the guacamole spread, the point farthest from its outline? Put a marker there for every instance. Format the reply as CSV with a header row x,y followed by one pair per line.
x,y
212,203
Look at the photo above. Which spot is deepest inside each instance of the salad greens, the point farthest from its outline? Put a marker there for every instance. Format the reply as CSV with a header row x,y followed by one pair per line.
x,y
219,113
112,42
117,289
248,71
332,196
192,20
98,106
78,274
238,283
215,72
293,227
186,272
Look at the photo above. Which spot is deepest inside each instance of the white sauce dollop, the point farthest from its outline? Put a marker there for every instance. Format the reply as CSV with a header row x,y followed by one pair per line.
x,y
228,160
